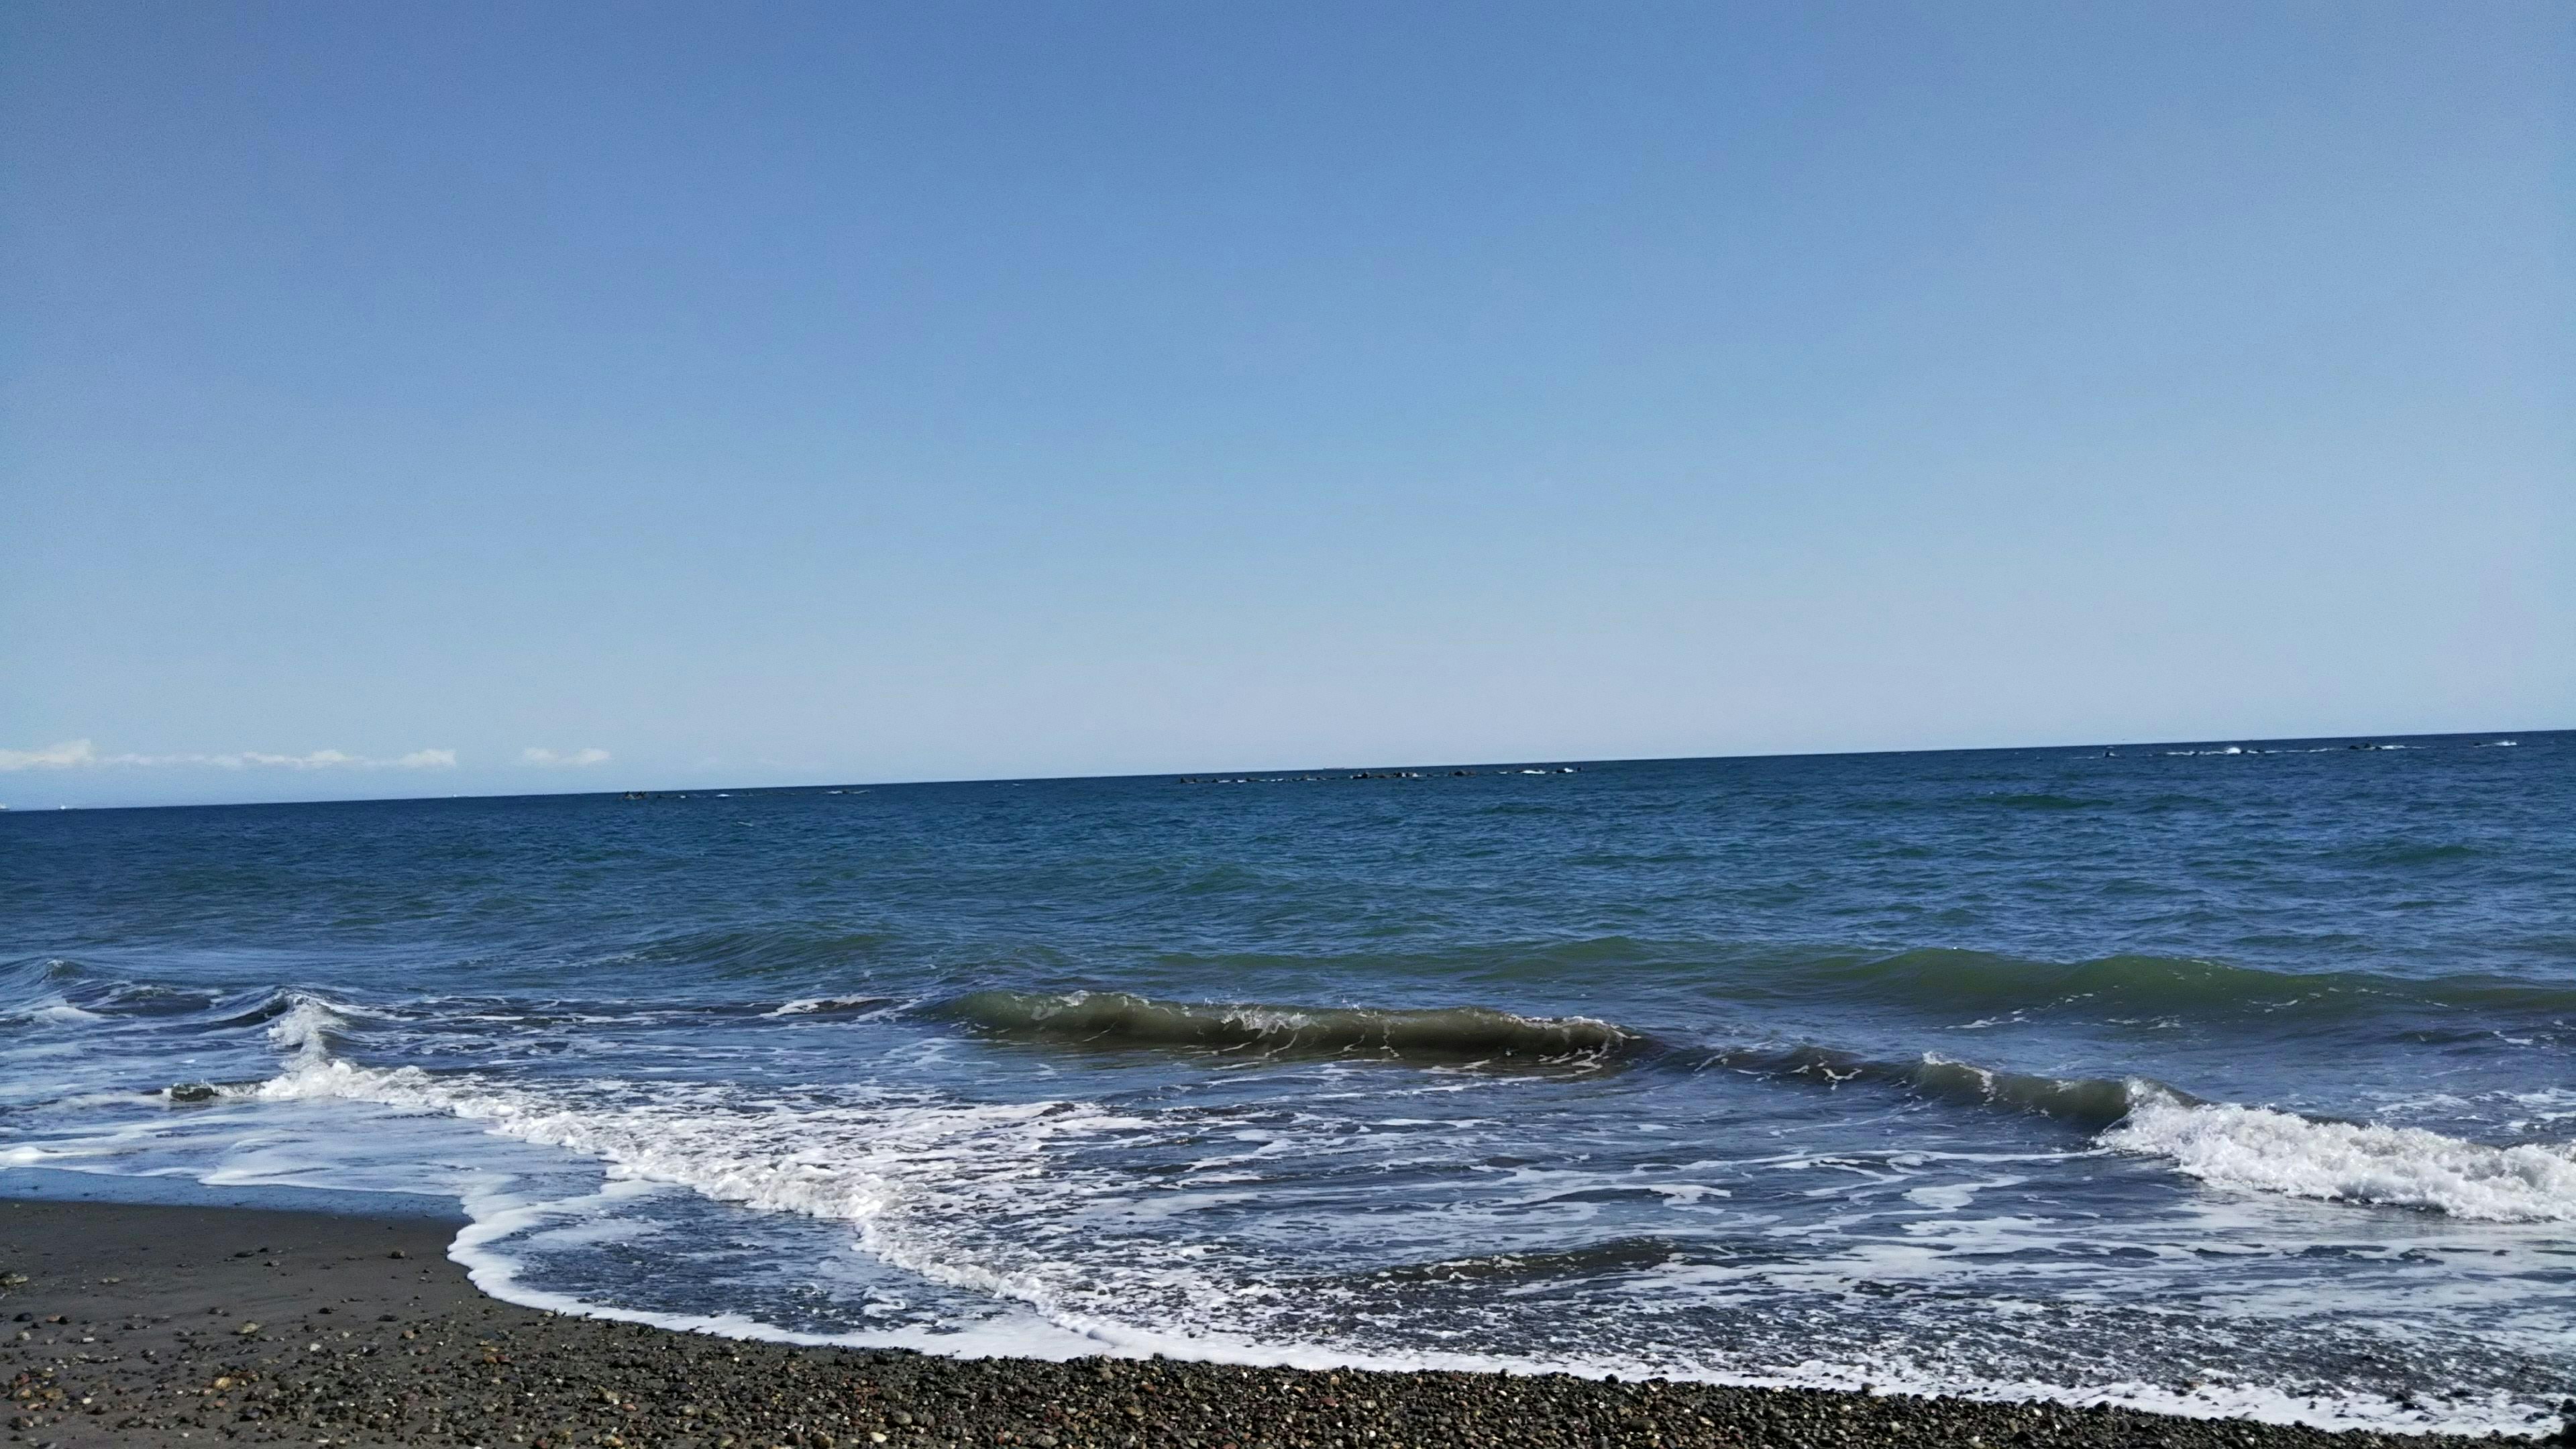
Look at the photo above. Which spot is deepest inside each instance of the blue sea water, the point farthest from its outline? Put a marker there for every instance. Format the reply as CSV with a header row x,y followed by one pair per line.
x,y
2231,1078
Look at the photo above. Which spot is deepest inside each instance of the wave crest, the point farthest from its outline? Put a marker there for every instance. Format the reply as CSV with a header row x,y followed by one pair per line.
x,y
1956,980
304,1029
1456,1034
2269,1150
2091,1103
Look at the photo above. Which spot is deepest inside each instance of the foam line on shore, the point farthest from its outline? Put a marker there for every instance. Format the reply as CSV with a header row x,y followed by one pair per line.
x,y
904,1171
414,1354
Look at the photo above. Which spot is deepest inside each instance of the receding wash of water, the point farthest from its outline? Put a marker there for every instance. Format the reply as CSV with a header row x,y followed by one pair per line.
x,y
2228,1078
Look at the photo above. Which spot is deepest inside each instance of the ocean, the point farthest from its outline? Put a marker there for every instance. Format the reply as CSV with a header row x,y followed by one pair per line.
x,y
2229,1078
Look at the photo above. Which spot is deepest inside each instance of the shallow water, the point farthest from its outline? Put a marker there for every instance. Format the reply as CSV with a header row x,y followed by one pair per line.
x,y
2219,1081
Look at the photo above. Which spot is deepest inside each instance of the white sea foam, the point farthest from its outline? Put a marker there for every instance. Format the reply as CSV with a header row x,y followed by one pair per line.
x,y
812,1005
492,1248
2274,1151
911,1173
303,1031
982,1197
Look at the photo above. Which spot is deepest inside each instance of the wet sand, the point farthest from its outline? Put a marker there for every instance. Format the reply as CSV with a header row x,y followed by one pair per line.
x,y
161,1325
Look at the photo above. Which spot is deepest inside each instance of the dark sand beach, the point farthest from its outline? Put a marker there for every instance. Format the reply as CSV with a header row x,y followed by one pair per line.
x,y
163,1325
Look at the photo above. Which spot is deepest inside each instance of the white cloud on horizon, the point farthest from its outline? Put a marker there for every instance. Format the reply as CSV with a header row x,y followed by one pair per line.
x,y
573,759
70,754
83,755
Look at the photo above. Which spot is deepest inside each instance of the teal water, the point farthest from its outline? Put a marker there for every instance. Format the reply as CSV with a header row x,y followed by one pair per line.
x,y
2233,1078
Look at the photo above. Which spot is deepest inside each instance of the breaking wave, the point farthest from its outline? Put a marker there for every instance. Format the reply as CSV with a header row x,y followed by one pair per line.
x,y
2091,1103
1451,1034
1981,982
2259,1148
304,1026
2262,1149
2268,1150
832,1006
1481,1034
915,1175
2229,1146
1939,981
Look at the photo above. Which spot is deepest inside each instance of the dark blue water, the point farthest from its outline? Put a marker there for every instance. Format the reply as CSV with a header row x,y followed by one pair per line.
x,y
2229,1079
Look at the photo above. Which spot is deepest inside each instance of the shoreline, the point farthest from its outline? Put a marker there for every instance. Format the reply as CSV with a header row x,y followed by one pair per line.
x,y
163,1324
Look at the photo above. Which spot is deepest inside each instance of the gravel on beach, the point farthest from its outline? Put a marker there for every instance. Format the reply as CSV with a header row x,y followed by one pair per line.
x,y
148,1325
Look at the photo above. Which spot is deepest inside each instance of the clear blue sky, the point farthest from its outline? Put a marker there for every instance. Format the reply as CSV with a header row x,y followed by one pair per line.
x,y
830,392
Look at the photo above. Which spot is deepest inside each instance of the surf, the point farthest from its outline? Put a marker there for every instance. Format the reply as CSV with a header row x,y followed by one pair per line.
x,y
1450,1034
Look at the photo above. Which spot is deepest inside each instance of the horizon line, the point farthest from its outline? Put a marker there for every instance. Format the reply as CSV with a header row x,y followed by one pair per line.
x,y
1179,775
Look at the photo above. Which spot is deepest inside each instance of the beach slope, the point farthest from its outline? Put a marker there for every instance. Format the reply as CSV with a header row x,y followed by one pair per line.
x,y
159,1325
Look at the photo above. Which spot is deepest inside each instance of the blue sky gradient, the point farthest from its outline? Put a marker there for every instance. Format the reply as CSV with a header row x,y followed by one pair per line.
x,y
817,392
